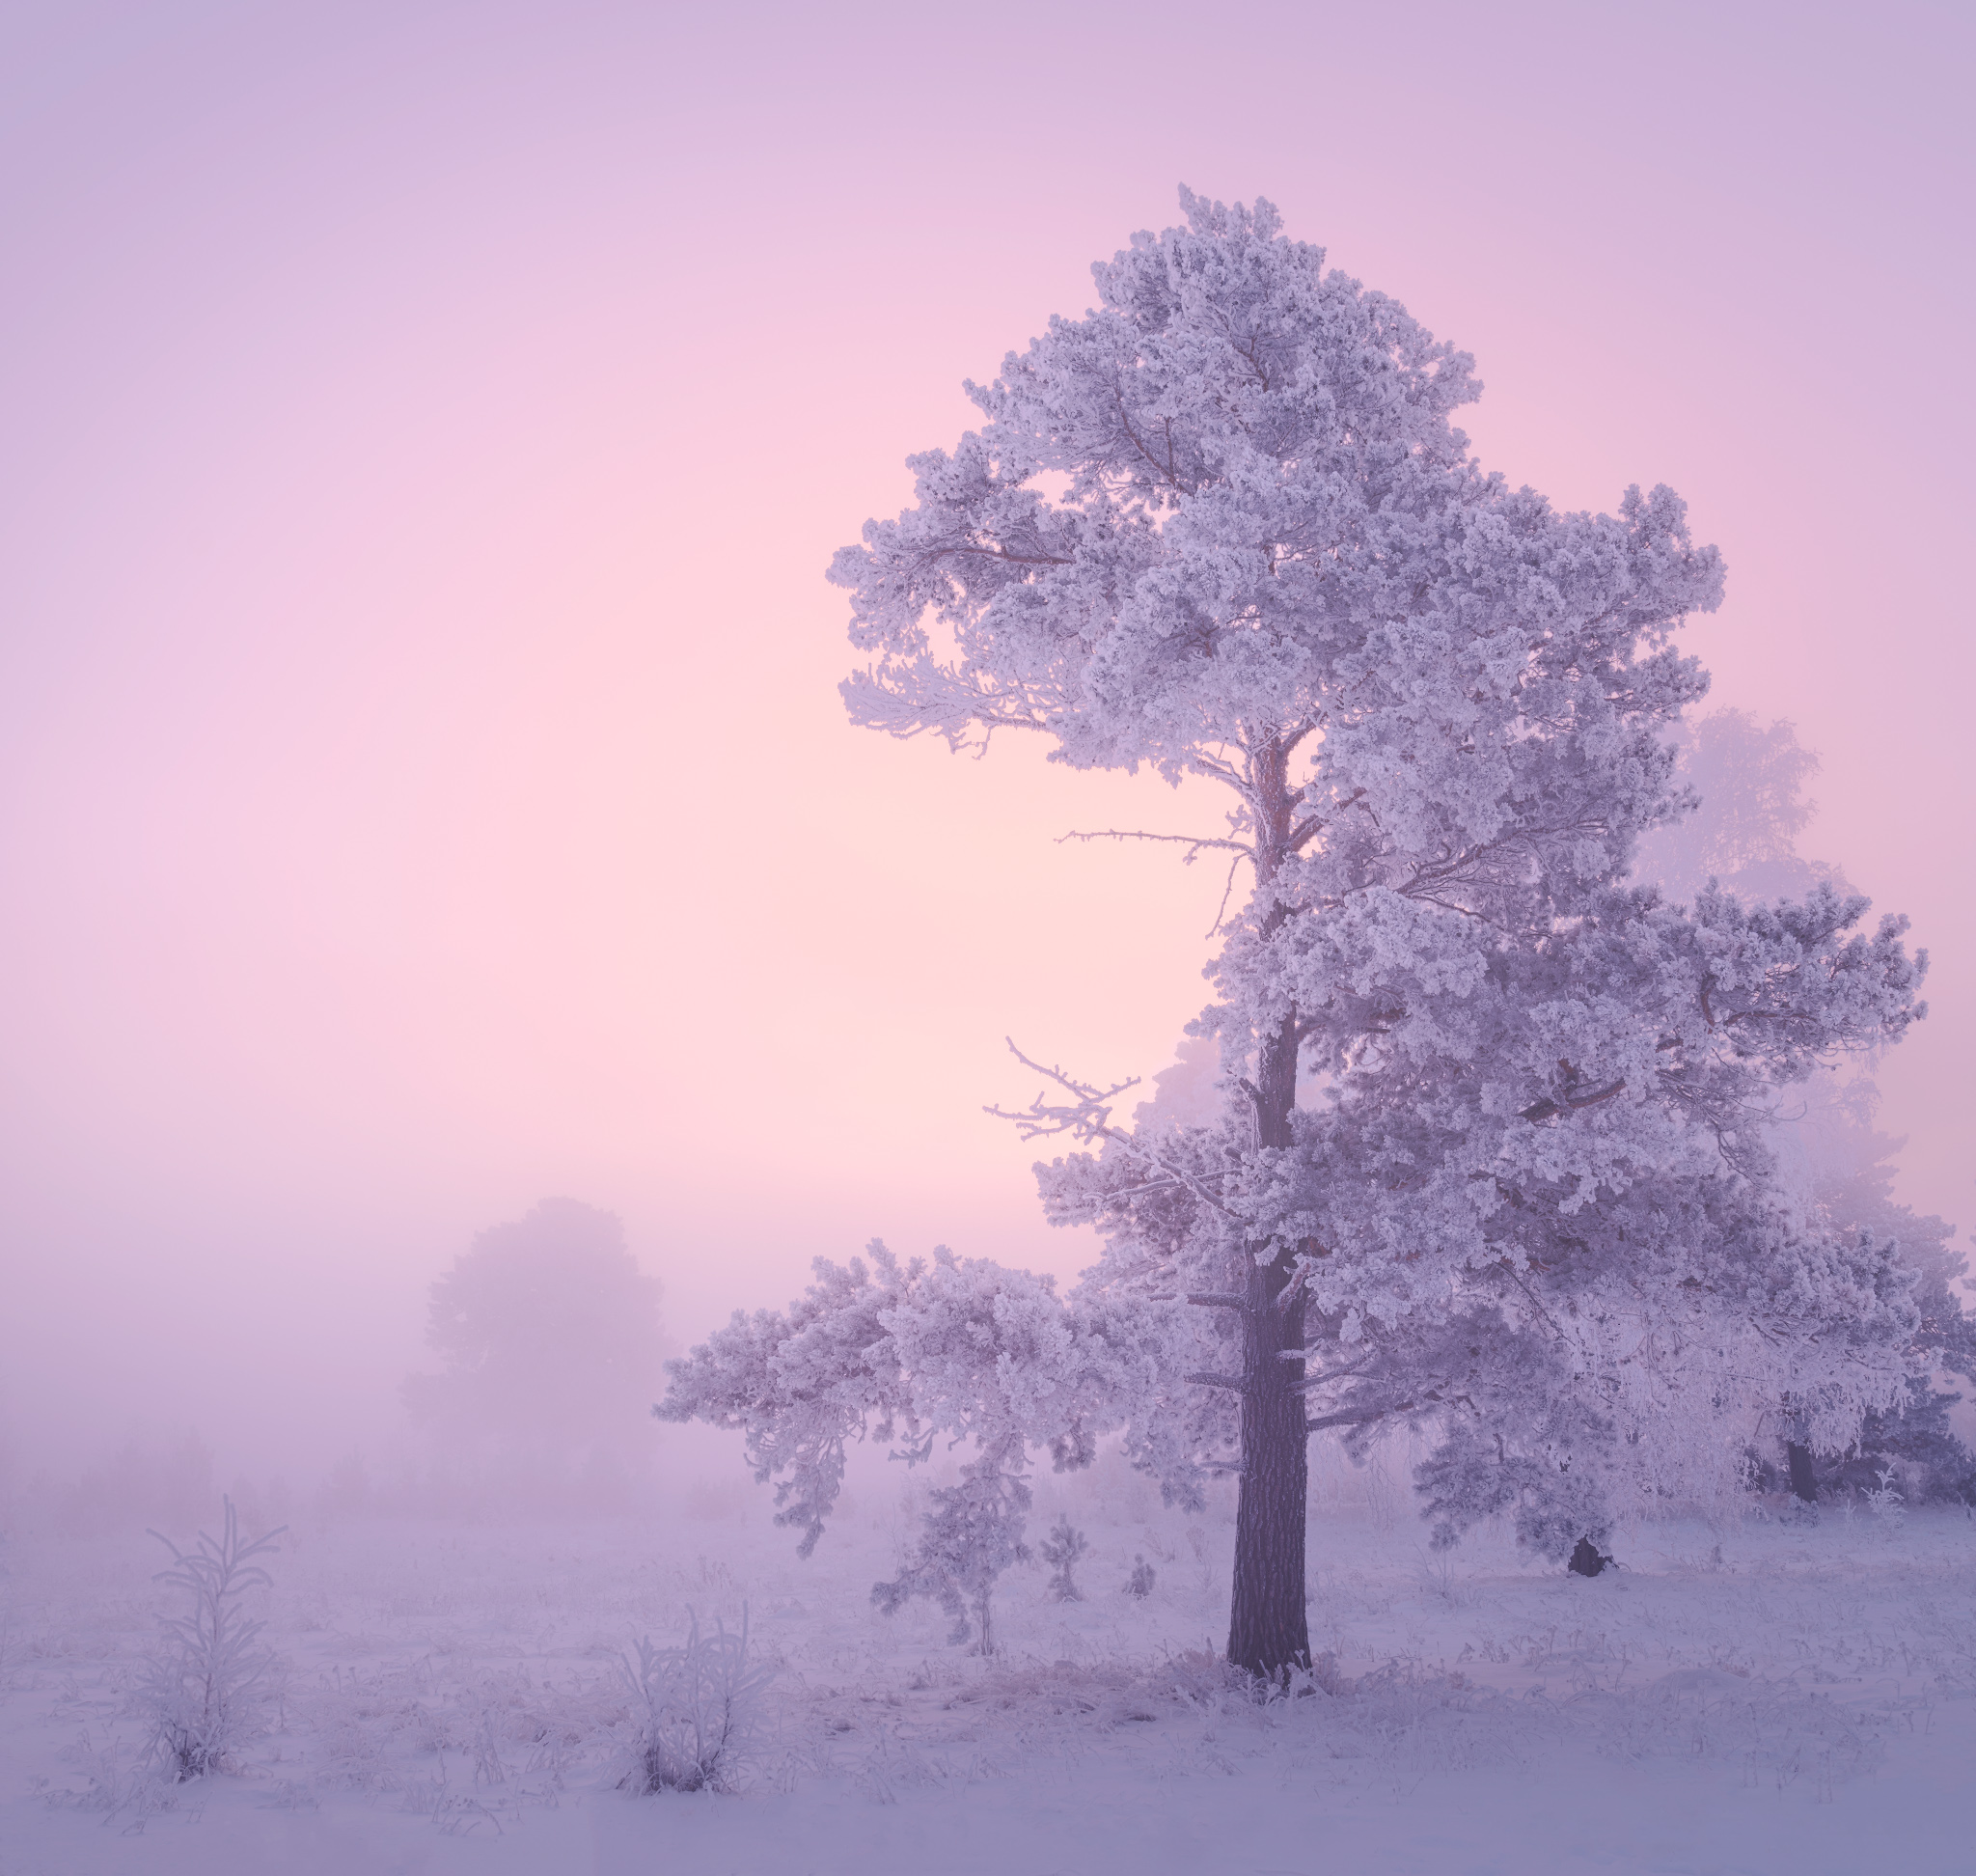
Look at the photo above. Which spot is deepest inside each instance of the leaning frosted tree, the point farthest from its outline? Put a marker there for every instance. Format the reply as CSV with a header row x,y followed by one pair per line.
x,y
1492,1162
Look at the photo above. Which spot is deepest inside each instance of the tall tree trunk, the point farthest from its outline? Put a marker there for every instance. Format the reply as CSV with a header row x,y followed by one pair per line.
x,y
1269,1632
1268,1629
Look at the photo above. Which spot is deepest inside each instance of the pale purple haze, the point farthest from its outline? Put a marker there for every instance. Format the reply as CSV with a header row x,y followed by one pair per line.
x,y
422,785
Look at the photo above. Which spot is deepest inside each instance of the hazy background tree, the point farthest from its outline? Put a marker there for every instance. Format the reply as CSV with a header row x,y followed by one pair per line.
x,y
1751,778
552,1343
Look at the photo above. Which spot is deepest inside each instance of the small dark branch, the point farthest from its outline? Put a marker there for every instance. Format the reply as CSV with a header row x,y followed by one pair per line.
x,y
1357,1416
1450,905
1223,771
1707,1015
1305,830
1543,1109
1174,1184
1294,1288
1363,1416
1217,1300
1287,743
1167,469
1593,1100
1227,892
991,549
1249,1088
1227,1381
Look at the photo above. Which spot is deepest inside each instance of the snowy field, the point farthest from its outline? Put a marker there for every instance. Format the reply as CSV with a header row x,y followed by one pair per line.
x,y
1768,1696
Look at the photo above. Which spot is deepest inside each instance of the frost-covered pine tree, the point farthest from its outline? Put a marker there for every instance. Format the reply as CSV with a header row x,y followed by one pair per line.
x,y
1225,526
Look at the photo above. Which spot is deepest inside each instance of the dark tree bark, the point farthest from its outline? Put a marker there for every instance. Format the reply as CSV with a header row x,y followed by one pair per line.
x,y
1803,1485
1269,1631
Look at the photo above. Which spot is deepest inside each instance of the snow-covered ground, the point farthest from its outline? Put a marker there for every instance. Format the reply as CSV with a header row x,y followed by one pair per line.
x,y
1767,1697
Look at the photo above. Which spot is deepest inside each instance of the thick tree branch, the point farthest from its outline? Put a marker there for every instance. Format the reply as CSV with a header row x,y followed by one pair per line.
x,y
1217,1381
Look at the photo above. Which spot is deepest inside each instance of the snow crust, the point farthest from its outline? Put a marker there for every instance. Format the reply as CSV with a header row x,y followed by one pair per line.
x,y
1768,1696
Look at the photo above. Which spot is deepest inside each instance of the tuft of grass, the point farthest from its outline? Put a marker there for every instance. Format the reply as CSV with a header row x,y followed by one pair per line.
x,y
696,1709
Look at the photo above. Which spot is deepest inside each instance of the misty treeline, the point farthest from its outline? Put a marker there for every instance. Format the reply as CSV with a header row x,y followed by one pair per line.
x,y
1537,1122
550,1345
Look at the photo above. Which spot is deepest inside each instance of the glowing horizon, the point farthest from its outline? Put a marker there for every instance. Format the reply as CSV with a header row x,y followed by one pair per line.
x,y
427,785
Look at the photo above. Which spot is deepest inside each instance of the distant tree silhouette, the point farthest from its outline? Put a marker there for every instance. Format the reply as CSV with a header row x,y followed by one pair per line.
x,y
550,1336
1750,777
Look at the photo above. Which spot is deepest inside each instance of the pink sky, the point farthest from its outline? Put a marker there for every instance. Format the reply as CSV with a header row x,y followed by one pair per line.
x,y
422,785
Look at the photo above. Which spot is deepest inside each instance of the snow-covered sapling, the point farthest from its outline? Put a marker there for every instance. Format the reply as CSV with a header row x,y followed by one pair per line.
x,y
199,1693
1062,1549
696,1708
972,1532
1140,1584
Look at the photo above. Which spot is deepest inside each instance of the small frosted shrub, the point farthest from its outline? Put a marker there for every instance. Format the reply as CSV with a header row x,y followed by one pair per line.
x,y
1140,1584
1889,1509
1062,1550
971,1534
199,1694
694,1709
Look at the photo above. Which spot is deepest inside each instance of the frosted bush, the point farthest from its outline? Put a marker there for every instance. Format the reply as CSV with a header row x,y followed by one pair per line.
x,y
1140,1584
1890,1510
696,1709
1062,1550
199,1694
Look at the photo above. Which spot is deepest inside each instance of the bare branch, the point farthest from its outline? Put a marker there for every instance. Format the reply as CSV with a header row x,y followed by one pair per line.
x,y
1217,1300
1088,1117
1227,889
1194,843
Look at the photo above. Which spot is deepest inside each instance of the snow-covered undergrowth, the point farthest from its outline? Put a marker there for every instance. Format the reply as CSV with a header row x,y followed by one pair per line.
x,y
199,1692
471,1679
696,1709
